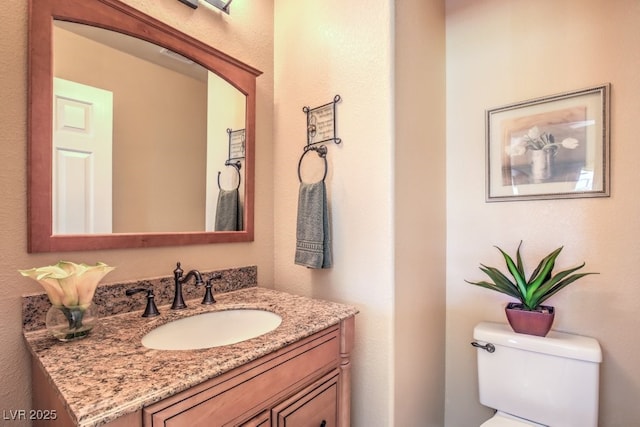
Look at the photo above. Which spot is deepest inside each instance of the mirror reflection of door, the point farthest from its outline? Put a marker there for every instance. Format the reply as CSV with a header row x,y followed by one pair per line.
x,y
82,153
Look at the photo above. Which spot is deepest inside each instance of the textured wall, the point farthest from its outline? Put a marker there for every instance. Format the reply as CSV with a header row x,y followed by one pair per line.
x,y
323,49
419,213
499,52
246,34
14,363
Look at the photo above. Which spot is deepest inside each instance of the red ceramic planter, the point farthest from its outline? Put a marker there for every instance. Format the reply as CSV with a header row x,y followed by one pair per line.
x,y
530,322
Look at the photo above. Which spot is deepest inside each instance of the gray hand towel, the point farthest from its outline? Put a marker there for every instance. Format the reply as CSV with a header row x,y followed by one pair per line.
x,y
229,211
313,241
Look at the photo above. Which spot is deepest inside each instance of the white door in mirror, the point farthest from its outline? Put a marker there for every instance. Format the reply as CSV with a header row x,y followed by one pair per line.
x,y
212,329
82,158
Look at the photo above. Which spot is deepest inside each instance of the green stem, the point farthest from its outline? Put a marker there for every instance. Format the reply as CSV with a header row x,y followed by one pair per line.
x,y
74,316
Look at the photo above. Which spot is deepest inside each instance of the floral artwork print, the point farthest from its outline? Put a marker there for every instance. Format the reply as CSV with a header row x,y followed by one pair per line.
x,y
550,147
545,148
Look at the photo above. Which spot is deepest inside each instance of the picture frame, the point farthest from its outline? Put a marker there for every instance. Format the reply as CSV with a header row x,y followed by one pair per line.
x,y
553,147
237,144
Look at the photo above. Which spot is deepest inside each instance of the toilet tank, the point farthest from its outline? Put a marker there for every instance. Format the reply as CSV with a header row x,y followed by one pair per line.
x,y
552,380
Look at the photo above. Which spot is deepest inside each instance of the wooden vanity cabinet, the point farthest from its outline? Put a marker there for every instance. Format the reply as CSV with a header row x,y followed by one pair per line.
x,y
261,420
304,384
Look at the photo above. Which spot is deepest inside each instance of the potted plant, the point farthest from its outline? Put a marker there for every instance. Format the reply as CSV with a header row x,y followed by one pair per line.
x,y
529,316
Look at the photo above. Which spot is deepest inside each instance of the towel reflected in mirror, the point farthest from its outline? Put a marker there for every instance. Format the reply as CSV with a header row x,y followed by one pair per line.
x,y
229,211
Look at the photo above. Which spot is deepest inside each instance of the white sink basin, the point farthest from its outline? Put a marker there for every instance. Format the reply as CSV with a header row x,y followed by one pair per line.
x,y
213,329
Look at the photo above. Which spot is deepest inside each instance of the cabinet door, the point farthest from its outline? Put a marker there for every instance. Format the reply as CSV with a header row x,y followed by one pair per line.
x,y
241,393
315,406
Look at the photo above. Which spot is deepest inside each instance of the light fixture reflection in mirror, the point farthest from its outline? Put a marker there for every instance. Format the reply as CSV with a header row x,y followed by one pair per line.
x,y
176,206
223,5
168,134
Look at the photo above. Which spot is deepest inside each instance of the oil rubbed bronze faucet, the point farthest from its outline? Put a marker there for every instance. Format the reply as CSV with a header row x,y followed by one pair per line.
x,y
178,301
151,310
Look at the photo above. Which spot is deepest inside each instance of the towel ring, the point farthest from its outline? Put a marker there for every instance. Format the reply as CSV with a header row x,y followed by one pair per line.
x,y
237,165
322,152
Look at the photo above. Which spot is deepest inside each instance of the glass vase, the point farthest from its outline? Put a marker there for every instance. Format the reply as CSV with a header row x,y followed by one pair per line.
x,y
70,323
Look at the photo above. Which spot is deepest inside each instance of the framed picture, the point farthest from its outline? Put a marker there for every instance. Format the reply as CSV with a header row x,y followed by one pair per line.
x,y
237,143
549,148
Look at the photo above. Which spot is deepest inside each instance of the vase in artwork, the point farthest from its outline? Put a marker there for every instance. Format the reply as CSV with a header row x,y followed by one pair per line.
x,y
542,164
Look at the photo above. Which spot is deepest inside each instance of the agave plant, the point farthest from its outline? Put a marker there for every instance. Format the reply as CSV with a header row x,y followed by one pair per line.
x,y
541,285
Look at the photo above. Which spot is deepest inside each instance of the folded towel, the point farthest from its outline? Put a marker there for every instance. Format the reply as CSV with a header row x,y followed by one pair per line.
x,y
229,211
313,241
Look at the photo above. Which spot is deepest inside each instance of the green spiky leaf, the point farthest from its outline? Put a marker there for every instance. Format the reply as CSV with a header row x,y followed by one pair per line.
x,y
541,285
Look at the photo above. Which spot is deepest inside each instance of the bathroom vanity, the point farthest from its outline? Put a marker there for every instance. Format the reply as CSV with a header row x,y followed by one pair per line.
x,y
297,374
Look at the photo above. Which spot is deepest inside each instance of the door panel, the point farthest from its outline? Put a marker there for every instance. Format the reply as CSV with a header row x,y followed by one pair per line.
x,y
82,158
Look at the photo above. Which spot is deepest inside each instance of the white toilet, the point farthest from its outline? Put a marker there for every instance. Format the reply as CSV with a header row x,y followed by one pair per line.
x,y
537,381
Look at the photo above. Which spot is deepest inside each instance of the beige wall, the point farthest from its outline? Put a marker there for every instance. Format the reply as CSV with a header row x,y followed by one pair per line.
x,y
419,210
498,52
383,228
245,34
323,49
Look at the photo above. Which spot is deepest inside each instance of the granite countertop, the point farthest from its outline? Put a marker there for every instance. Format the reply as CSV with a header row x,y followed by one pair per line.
x,y
110,374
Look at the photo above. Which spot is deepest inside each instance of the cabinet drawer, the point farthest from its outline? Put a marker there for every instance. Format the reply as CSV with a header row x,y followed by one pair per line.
x,y
261,420
316,406
249,389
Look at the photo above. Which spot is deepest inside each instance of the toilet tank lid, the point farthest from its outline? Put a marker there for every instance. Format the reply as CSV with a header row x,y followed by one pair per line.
x,y
555,343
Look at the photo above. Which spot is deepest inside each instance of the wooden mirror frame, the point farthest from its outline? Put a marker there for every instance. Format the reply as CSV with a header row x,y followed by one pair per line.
x,y
116,16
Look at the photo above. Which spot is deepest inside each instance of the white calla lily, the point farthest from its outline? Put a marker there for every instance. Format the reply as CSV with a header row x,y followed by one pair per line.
x,y
535,140
570,143
517,149
69,284
534,133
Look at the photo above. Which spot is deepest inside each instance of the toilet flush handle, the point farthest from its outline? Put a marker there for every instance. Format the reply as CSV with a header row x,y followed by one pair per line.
x,y
489,347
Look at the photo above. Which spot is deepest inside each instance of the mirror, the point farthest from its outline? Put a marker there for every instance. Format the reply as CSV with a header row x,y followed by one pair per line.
x,y
206,116
134,125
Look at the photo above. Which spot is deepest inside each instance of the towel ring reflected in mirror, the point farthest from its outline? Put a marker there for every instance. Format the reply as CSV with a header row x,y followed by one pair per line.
x,y
235,165
322,153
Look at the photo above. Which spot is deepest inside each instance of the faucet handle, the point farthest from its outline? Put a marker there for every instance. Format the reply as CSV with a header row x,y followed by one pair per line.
x,y
177,273
208,294
150,310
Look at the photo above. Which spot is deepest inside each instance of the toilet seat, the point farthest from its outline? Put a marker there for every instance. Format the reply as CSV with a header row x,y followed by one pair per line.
x,y
501,419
